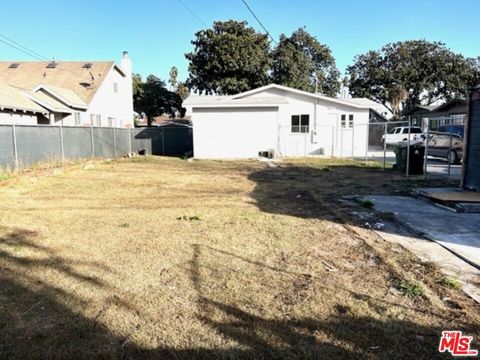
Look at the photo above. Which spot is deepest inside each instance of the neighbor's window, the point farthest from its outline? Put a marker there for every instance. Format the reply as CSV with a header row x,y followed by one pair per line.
x,y
92,119
98,120
78,119
115,87
343,119
300,123
110,121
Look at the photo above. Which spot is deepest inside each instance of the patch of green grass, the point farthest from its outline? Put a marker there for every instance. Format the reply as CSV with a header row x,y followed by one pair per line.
x,y
450,282
412,289
367,204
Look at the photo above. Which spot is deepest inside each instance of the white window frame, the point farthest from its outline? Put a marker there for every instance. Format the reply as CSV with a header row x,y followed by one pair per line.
x,y
115,87
300,128
347,120
98,120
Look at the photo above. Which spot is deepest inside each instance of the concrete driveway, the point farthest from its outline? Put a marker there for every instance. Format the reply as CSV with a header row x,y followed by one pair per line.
x,y
457,232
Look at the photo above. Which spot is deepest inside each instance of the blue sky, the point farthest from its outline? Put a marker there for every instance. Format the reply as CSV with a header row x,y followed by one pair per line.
x,y
157,33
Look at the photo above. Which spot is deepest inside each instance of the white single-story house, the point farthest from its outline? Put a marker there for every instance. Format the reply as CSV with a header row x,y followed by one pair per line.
x,y
69,93
279,120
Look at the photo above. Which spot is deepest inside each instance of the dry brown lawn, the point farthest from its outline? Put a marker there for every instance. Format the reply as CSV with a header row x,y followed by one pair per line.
x,y
164,258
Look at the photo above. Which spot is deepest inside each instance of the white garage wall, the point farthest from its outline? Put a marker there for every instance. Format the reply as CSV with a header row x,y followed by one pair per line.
x,y
233,133
241,132
326,136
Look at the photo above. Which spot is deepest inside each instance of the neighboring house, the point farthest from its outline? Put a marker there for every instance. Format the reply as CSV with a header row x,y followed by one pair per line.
x,y
451,112
279,120
67,93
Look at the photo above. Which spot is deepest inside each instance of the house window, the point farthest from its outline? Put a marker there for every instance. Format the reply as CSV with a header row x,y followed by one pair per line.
x,y
110,121
92,119
98,120
344,123
115,87
78,119
300,123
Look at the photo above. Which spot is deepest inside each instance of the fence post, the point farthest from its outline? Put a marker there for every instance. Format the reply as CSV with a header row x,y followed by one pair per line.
x,y
425,168
448,156
163,141
93,143
15,150
62,148
333,141
341,142
353,140
385,147
366,144
114,144
130,140
408,149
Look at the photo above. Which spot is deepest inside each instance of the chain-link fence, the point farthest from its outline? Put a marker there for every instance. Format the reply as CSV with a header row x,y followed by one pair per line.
x,y
432,147
23,145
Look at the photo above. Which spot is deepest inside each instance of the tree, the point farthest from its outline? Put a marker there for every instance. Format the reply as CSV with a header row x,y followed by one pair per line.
x,y
403,75
152,98
173,78
302,62
228,58
182,90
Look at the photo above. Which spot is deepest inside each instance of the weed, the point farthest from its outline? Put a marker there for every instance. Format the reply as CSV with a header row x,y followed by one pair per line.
x,y
450,282
367,204
412,289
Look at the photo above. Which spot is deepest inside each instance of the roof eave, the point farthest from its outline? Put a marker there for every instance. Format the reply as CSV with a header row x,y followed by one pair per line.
x,y
300,92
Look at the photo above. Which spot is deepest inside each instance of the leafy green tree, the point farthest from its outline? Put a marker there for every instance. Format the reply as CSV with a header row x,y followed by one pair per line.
x,y
154,99
302,62
403,75
228,58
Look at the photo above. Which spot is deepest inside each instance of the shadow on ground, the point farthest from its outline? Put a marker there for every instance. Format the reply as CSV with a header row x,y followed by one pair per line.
x,y
35,324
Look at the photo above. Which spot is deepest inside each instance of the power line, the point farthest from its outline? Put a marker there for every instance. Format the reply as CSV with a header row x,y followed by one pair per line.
x,y
30,51
37,56
21,50
193,13
258,20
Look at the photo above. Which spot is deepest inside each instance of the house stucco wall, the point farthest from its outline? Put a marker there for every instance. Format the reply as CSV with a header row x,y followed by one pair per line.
x,y
241,132
111,104
326,135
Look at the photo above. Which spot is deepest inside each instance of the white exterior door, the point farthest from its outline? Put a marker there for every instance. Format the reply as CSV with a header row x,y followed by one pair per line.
x,y
236,133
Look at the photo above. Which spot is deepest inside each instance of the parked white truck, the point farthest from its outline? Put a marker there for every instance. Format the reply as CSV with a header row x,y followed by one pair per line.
x,y
400,134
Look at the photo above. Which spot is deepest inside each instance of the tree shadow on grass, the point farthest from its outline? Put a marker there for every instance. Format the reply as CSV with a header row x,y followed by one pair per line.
x,y
38,320
340,336
35,321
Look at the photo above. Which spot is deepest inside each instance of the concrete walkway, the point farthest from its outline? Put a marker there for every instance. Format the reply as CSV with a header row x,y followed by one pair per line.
x,y
458,232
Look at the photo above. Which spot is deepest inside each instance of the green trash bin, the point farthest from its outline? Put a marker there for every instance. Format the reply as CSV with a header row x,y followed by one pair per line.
x,y
417,157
